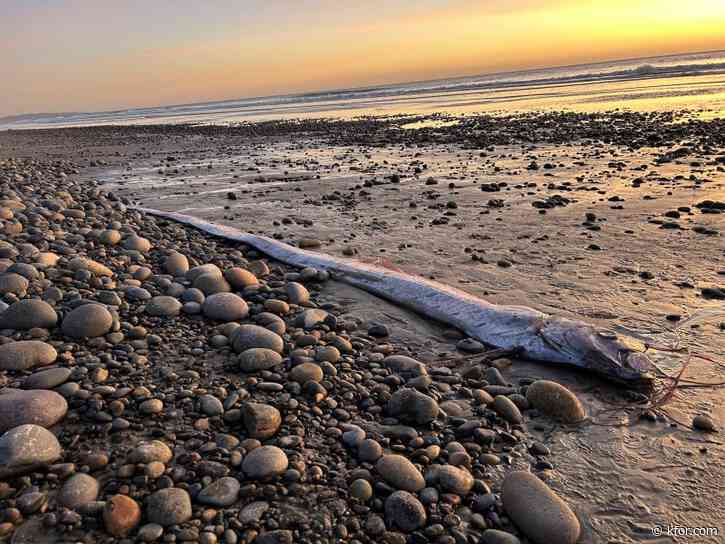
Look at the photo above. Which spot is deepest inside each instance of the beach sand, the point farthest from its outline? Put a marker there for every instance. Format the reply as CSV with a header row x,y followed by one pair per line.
x,y
588,217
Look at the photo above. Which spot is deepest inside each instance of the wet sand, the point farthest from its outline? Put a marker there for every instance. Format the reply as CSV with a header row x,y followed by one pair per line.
x,y
593,218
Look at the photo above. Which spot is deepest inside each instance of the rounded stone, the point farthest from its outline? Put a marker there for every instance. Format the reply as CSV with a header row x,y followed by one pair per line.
x,y
225,307
110,237
404,511
169,506
405,366
451,479
306,372
556,401
361,490
35,406
261,420
26,354
78,490
210,405
505,407
494,536
163,306
221,493
239,278
212,283
413,406
148,452
28,314
121,514
87,321
254,336
297,293
47,379
176,264
399,472
137,243
539,512
202,269
13,283
264,463
27,448
256,359
369,451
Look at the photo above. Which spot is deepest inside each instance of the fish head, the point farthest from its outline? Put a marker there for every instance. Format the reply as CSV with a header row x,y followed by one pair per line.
x,y
613,356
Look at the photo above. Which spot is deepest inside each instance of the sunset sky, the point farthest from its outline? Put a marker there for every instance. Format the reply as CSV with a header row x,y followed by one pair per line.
x,y
86,55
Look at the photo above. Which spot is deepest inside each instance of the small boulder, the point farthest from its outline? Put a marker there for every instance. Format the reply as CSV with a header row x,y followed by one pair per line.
x,y
555,401
26,354
87,321
29,313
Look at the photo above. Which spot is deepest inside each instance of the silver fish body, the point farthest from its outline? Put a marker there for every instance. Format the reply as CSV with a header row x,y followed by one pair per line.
x,y
535,335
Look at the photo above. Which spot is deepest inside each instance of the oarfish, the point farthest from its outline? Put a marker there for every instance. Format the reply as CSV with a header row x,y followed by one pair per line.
x,y
534,335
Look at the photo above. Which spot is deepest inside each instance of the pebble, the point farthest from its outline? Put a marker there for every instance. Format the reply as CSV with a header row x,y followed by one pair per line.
x,y
26,354
306,372
361,490
507,409
537,510
400,473
405,366
410,405
78,490
87,321
704,423
494,536
404,511
225,307
169,506
261,420
163,306
121,514
253,512
556,401
253,336
34,406
147,452
264,463
29,314
176,264
256,359
27,448
297,293
47,379
221,493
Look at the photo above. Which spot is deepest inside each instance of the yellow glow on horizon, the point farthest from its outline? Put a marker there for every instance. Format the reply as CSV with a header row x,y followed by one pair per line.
x,y
458,38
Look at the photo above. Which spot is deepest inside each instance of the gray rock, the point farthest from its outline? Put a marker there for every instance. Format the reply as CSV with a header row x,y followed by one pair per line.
x,y
410,405
147,452
239,278
221,493
254,336
309,319
507,409
13,283
47,379
176,264
78,490
261,420
407,367
556,401
494,536
36,406
225,307
87,321
537,510
264,463
137,243
169,506
450,479
253,512
369,451
306,372
400,473
27,448
404,511
297,293
256,359
28,314
26,354
163,306
210,405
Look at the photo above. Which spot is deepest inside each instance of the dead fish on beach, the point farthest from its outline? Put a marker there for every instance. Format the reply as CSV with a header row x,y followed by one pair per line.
x,y
535,335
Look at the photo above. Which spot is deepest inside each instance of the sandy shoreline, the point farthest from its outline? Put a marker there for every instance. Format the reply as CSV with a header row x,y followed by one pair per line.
x,y
622,243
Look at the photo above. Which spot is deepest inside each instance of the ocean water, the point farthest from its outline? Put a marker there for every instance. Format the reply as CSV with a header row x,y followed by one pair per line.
x,y
693,81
